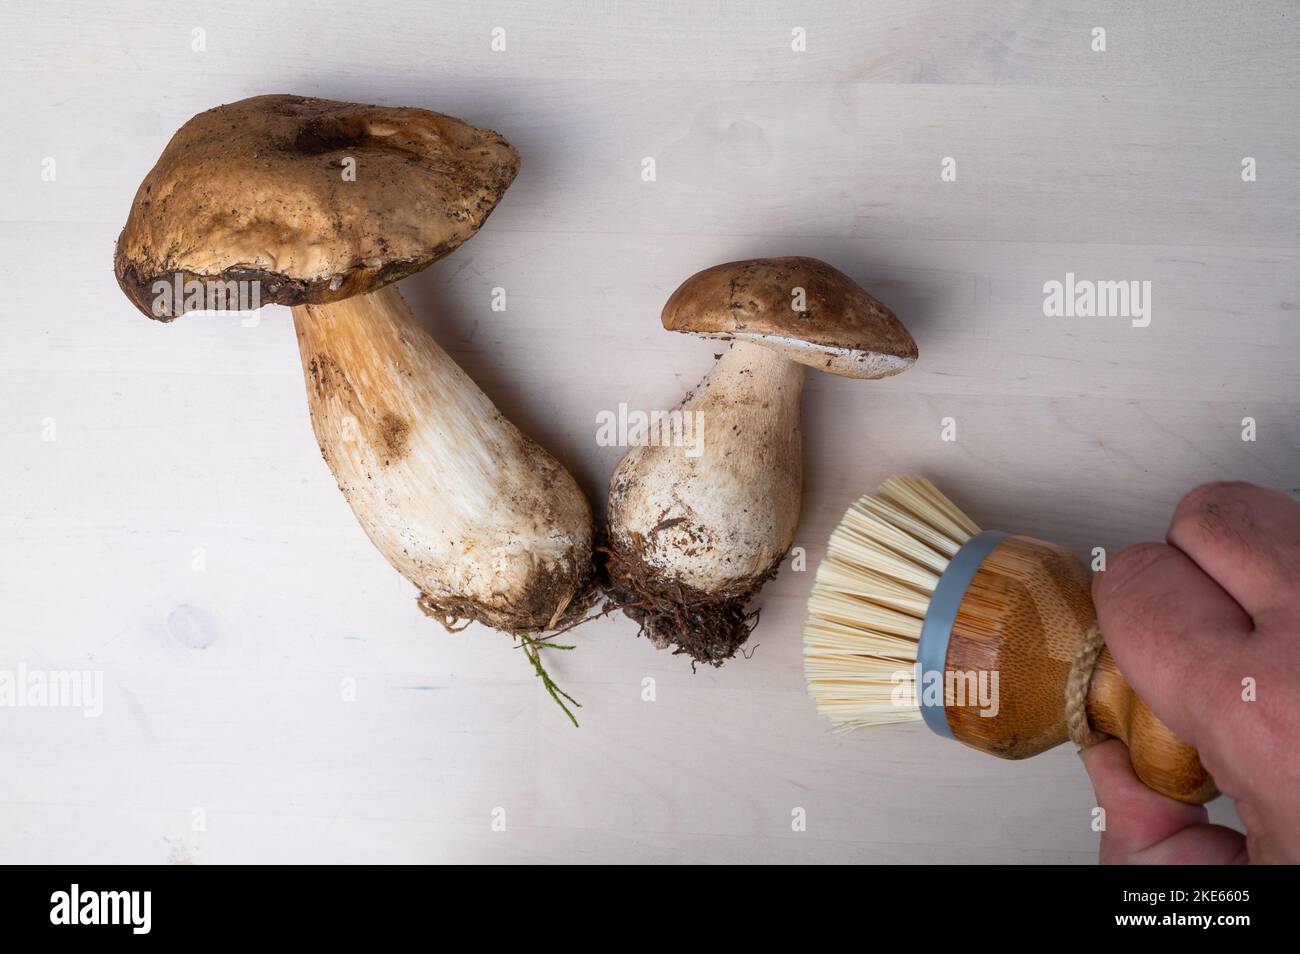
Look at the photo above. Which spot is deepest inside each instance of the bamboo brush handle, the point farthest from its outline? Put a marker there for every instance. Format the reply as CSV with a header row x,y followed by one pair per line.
x,y
1161,760
1023,616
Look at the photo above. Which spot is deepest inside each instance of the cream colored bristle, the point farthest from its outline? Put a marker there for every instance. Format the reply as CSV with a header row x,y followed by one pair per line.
x,y
870,598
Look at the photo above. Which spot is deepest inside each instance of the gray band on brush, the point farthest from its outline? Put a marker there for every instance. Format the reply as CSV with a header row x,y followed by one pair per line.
x,y
932,651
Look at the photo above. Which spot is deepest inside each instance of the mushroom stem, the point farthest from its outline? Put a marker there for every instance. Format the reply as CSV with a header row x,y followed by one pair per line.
x,y
480,518
695,530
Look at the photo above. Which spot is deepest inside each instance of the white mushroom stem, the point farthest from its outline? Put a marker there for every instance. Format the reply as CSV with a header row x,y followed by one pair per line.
x,y
720,522
479,517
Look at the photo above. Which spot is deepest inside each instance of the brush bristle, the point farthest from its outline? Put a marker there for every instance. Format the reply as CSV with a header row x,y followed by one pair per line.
x,y
870,598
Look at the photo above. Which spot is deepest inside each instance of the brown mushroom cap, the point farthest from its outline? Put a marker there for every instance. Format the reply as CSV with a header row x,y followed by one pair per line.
x,y
842,329
256,191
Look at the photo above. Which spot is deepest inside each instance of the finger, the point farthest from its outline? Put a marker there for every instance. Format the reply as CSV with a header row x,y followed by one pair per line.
x,y
1142,826
1174,634
1248,539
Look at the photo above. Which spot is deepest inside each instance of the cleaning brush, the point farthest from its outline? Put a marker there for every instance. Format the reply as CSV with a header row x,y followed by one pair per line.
x,y
989,638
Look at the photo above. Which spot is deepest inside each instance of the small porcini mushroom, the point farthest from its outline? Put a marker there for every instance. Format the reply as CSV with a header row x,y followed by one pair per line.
x,y
695,531
485,523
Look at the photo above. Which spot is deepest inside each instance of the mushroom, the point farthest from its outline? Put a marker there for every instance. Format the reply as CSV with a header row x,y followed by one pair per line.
x,y
322,205
696,530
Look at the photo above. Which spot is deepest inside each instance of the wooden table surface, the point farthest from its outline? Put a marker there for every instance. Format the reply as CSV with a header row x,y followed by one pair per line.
x,y
165,516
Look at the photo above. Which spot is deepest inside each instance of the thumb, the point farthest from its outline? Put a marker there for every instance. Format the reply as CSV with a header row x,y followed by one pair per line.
x,y
1140,826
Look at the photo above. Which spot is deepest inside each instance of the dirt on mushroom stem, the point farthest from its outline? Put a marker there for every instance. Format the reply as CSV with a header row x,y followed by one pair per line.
x,y
572,595
710,628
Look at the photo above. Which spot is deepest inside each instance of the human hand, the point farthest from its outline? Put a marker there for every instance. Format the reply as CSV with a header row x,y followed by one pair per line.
x,y
1206,628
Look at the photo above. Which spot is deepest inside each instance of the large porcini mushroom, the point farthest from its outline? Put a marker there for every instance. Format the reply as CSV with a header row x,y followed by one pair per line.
x,y
695,530
320,205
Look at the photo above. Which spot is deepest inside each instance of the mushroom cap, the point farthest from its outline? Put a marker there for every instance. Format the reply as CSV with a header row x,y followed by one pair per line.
x,y
262,190
842,329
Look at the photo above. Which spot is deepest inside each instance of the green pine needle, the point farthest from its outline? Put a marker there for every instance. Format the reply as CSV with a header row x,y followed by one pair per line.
x,y
532,649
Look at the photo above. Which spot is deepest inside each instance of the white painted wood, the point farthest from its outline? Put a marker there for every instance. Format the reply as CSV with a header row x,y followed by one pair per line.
x,y
223,687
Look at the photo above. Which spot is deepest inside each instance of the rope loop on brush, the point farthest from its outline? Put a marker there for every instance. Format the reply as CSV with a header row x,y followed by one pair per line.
x,y
1076,689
